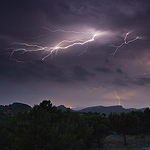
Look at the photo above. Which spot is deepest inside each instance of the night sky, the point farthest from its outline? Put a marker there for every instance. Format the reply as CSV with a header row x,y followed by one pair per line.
x,y
78,53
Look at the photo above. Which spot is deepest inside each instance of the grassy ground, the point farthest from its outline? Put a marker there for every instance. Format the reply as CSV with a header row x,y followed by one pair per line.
x,y
111,144
140,137
117,145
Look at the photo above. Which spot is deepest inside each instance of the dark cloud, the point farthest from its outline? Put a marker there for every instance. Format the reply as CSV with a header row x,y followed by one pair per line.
x,y
107,61
106,70
119,70
119,82
80,73
30,29
32,71
143,81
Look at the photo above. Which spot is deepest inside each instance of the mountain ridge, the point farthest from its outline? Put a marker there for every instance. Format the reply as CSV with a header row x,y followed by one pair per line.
x,y
14,108
17,107
109,109
105,109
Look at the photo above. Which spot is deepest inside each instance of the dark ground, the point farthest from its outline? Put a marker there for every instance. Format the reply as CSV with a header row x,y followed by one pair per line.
x,y
115,142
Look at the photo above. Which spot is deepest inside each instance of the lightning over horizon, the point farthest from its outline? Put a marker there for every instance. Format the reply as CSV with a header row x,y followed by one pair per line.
x,y
117,97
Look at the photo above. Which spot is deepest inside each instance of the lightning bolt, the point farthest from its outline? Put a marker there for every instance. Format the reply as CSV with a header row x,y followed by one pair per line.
x,y
17,60
66,31
64,44
136,57
58,46
124,43
117,96
84,51
34,48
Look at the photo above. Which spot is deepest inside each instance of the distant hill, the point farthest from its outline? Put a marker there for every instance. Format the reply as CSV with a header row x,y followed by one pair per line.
x,y
103,109
63,108
107,110
20,107
14,108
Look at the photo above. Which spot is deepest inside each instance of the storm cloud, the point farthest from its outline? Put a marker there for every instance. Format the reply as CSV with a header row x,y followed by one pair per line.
x,y
64,48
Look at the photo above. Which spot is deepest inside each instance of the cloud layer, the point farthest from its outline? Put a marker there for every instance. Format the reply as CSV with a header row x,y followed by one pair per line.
x,y
116,59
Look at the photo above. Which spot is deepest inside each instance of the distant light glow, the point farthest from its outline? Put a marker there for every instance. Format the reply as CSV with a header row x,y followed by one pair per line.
x,y
70,107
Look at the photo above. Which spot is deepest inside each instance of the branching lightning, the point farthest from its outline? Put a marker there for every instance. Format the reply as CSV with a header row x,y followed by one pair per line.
x,y
67,43
75,42
124,43
62,45
32,48
84,51
66,31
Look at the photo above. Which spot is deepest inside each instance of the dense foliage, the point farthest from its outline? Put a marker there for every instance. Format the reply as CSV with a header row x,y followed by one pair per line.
x,y
47,128
133,123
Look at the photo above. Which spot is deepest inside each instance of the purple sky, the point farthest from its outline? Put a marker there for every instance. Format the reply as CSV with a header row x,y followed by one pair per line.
x,y
76,53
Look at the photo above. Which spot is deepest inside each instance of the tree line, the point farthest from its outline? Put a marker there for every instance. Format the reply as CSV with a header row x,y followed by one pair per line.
x,y
48,128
